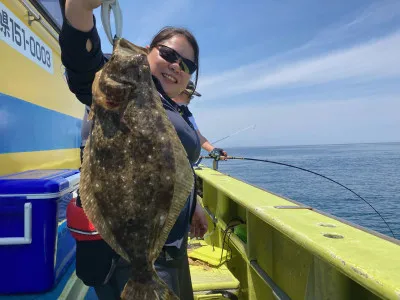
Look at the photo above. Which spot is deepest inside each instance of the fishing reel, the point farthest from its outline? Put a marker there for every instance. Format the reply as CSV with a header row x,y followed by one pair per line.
x,y
217,153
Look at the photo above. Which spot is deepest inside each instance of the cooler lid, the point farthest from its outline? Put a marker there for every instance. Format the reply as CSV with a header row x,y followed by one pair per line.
x,y
39,182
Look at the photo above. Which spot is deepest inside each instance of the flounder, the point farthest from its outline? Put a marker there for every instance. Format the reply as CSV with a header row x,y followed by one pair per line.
x,y
135,175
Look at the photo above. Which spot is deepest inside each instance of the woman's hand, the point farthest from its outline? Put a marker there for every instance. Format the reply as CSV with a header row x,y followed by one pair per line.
x,y
79,13
199,224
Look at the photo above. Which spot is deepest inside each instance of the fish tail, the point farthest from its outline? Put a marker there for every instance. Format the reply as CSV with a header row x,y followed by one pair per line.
x,y
154,290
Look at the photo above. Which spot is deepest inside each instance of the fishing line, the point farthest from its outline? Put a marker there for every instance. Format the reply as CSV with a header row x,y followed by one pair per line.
x,y
236,132
309,171
224,138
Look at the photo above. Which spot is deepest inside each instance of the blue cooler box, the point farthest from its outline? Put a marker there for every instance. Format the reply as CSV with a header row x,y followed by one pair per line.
x,y
35,244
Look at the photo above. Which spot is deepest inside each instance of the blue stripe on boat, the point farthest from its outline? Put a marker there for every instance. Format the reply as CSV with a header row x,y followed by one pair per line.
x,y
26,127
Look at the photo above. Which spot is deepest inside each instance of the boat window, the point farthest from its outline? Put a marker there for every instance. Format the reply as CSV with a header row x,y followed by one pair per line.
x,y
52,11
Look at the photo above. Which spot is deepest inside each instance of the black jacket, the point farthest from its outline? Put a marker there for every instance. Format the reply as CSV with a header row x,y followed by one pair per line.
x,y
81,67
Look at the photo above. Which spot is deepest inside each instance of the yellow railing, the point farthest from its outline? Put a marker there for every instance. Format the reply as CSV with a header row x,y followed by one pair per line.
x,y
289,251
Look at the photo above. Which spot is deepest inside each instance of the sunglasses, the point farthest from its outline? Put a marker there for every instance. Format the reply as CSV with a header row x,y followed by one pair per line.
x,y
171,56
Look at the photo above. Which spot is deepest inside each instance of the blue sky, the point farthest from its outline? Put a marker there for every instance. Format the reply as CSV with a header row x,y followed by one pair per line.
x,y
304,72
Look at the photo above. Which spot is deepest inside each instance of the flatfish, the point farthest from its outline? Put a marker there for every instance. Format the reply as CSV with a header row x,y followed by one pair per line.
x,y
135,175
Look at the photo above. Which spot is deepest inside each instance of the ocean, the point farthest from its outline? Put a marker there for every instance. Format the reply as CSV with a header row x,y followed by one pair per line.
x,y
370,170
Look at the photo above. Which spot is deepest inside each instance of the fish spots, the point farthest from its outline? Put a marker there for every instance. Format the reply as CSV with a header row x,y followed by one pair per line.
x,y
133,167
137,225
162,220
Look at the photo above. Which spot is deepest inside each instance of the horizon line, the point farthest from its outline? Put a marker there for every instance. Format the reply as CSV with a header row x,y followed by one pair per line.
x,y
304,145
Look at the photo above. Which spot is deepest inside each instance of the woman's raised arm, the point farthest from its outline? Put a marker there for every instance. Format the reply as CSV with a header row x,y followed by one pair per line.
x,y
80,46
79,13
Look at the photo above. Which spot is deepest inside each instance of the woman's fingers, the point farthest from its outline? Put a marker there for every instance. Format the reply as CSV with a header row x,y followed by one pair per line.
x,y
80,13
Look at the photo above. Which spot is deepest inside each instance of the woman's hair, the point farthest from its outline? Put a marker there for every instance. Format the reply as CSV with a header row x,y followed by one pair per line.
x,y
168,32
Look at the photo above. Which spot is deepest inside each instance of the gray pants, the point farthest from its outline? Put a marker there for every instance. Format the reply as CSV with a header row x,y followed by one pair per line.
x,y
176,275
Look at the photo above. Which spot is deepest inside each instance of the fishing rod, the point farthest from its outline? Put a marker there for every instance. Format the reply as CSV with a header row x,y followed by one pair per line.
x,y
228,136
309,171
236,132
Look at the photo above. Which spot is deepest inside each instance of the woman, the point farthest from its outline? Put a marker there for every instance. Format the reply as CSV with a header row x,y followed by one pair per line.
x,y
173,58
183,99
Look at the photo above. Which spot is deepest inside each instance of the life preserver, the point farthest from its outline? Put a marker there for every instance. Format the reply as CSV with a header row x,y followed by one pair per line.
x,y
79,225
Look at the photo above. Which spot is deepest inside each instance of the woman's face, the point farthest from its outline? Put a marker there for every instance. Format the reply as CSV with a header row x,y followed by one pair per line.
x,y
172,78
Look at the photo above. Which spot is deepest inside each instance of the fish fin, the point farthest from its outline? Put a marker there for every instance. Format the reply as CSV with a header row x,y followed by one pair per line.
x,y
156,290
184,183
91,113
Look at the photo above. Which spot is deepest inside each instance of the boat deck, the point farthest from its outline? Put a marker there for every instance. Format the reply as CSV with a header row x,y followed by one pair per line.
x,y
69,287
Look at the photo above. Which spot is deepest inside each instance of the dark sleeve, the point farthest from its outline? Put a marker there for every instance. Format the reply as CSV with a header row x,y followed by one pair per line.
x,y
80,65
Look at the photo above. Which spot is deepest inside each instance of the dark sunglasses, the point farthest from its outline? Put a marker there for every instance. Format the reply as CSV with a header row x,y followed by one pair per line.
x,y
171,56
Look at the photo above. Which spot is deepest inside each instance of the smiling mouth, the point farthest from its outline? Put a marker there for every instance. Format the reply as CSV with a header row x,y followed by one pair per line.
x,y
169,78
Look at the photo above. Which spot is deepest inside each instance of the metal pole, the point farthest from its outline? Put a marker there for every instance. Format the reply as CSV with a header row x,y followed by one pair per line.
x,y
215,164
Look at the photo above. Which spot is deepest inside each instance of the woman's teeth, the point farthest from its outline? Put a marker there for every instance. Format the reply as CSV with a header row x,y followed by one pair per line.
x,y
170,78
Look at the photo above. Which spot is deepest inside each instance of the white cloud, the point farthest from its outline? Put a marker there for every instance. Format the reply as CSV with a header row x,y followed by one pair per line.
x,y
375,59
364,23
374,119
